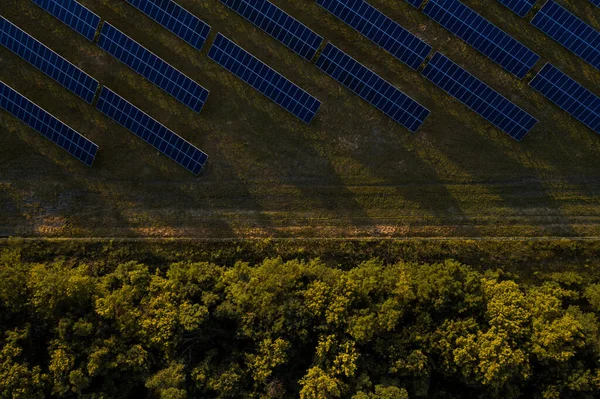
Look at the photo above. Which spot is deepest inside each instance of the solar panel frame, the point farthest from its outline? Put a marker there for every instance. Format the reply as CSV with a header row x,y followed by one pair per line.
x,y
583,40
478,96
279,25
477,31
72,14
47,125
372,88
519,7
380,29
176,19
151,131
263,78
49,62
152,67
569,95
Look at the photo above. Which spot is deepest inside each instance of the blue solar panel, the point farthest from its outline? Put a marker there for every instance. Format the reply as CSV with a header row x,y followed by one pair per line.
x,y
380,29
176,19
595,2
152,68
264,79
46,124
372,88
482,35
565,92
478,96
520,7
278,24
570,31
148,129
415,3
74,15
47,61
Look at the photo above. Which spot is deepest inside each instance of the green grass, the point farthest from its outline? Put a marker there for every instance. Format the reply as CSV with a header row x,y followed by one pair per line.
x,y
530,259
352,173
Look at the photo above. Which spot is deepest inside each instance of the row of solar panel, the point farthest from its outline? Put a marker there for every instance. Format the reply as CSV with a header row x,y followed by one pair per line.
x,y
85,86
274,20
298,38
74,15
241,63
304,106
568,30
408,49
153,68
552,83
552,19
263,14
563,26
484,36
452,14
166,12
115,107
141,60
47,61
519,7
49,126
138,58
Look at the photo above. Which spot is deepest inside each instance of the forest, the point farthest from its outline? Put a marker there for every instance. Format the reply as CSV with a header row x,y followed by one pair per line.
x,y
280,327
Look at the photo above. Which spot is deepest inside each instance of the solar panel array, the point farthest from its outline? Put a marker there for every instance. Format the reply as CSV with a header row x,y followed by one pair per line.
x,y
574,34
569,95
279,25
380,29
520,7
148,129
152,67
596,2
415,3
46,124
176,19
74,15
482,35
47,61
478,96
264,79
372,88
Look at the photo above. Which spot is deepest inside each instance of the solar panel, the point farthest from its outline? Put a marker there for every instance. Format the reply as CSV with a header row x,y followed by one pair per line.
x,y
478,96
568,30
572,97
144,62
372,88
595,2
46,124
74,15
415,3
482,35
176,19
279,25
264,79
380,29
520,7
151,131
47,61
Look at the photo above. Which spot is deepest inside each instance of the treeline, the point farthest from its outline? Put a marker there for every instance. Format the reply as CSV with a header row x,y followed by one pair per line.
x,y
288,329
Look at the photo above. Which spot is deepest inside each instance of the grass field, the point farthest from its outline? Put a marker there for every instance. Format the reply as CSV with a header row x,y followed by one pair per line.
x,y
352,173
